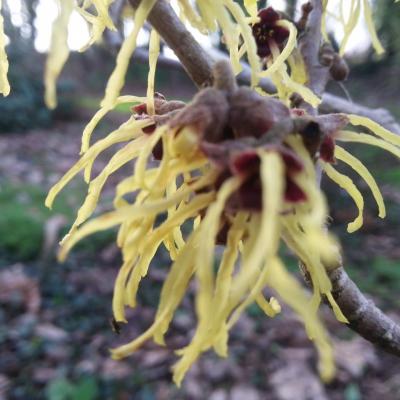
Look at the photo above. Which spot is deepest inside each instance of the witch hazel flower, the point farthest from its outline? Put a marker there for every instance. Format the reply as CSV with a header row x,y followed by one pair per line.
x,y
268,32
234,168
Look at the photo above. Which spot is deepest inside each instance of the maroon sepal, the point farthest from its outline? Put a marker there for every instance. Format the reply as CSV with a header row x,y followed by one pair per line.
x,y
267,31
293,193
140,108
327,150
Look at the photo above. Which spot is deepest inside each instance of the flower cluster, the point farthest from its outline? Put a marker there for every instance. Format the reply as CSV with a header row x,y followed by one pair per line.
x,y
239,169
268,32
235,167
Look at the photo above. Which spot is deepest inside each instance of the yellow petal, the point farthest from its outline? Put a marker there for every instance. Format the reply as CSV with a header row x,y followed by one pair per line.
x,y
347,184
4,84
59,52
361,169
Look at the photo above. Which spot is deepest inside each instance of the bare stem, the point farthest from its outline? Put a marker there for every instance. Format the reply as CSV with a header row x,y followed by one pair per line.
x,y
194,59
364,317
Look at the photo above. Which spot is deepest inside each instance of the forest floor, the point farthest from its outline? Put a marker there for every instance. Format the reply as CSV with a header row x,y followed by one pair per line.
x,y
54,319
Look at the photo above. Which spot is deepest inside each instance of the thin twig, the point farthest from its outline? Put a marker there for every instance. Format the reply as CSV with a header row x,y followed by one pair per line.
x,y
192,56
364,317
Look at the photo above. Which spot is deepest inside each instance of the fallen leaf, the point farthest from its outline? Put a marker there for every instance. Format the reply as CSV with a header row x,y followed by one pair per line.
x,y
354,356
51,332
13,281
296,381
241,392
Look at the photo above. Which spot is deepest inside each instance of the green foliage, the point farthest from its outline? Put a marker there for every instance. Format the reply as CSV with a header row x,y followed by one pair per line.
x,y
21,234
389,29
352,392
390,176
24,216
92,104
381,278
63,389
22,219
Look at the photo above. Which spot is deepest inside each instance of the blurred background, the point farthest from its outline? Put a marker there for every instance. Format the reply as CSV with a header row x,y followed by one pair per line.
x,y
55,319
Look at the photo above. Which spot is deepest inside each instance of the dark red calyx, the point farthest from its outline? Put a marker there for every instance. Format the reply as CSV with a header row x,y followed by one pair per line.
x,y
140,109
297,112
158,150
293,192
267,31
327,149
293,163
149,129
245,163
248,197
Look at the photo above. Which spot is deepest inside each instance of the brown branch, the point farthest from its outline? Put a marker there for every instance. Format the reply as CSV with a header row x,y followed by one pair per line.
x,y
310,45
364,317
382,116
192,56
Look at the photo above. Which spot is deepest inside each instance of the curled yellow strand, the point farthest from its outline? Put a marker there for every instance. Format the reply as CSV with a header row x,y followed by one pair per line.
x,y
100,114
208,232
355,9
4,84
171,295
205,306
99,22
117,78
127,131
376,129
251,7
361,169
349,136
267,238
207,15
154,51
231,35
191,16
371,28
59,52
271,307
286,52
150,244
293,294
348,185
249,41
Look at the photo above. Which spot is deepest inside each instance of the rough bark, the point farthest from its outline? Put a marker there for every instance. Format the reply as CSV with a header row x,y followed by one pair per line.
x,y
365,318
192,56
